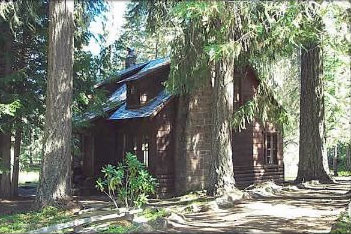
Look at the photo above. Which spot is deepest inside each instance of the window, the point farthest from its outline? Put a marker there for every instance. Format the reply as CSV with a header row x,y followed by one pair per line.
x,y
145,149
271,148
143,99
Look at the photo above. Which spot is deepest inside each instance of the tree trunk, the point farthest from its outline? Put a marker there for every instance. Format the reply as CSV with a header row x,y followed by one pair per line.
x,y
6,61
348,157
17,152
221,178
335,161
348,152
5,151
54,184
313,164
31,148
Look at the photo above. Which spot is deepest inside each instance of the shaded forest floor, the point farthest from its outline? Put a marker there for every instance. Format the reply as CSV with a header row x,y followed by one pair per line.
x,y
310,207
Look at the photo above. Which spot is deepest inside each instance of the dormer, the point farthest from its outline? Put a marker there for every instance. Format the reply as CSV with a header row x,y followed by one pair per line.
x,y
133,95
147,84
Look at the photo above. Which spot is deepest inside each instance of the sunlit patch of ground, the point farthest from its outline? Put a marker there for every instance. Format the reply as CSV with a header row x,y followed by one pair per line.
x,y
310,208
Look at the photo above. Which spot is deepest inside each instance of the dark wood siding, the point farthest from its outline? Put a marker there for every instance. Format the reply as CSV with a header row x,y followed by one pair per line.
x,y
249,144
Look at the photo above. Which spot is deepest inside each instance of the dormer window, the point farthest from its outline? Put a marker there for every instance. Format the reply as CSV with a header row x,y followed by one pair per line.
x,y
133,97
132,90
143,99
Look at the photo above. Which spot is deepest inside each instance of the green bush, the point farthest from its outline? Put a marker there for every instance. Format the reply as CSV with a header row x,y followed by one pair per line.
x,y
343,224
129,182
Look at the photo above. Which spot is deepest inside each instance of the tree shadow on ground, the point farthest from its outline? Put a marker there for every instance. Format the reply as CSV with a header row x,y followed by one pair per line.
x,y
313,209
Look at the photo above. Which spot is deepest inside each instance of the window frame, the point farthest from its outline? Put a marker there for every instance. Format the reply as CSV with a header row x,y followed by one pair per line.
x,y
270,148
145,148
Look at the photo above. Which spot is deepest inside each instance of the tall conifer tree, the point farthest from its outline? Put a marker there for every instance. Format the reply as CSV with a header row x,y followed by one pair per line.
x,y
55,174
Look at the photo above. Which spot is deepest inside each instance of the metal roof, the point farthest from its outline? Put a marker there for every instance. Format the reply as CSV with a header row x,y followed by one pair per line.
x,y
119,95
120,74
151,66
152,108
117,98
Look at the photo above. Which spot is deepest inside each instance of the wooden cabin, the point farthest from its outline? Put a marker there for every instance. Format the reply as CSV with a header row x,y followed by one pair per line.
x,y
145,119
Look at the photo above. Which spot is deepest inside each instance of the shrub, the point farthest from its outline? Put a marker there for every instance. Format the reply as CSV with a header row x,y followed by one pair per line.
x,y
129,182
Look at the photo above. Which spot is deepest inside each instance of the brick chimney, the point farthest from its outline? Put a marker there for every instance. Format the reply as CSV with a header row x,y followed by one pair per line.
x,y
131,58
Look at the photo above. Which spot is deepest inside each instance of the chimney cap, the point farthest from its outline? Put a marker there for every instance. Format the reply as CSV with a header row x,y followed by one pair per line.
x,y
131,58
130,51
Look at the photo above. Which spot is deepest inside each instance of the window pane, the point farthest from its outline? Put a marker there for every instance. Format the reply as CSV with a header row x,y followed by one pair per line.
x,y
146,158
145,149
269,159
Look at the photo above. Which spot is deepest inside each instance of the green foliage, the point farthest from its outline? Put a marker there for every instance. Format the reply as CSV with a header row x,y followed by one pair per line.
x,y
344,173
263,106
9,109
154,214
344,169
129,182
337,96
25,222
343,224
144,31
265,32
122,228
24,25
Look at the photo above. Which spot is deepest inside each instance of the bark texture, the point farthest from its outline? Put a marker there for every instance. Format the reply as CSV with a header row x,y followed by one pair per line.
x,y
313,164
5,154
54,184
348,157
15,168
6,61
335,161
221,178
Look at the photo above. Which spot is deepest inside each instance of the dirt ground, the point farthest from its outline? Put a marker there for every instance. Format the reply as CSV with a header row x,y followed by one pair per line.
x,y
310,208
20,204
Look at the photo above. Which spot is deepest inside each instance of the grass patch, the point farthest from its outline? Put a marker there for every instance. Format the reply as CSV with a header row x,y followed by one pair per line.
x,y
343,224
153,214
122,227
344,173
25,222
